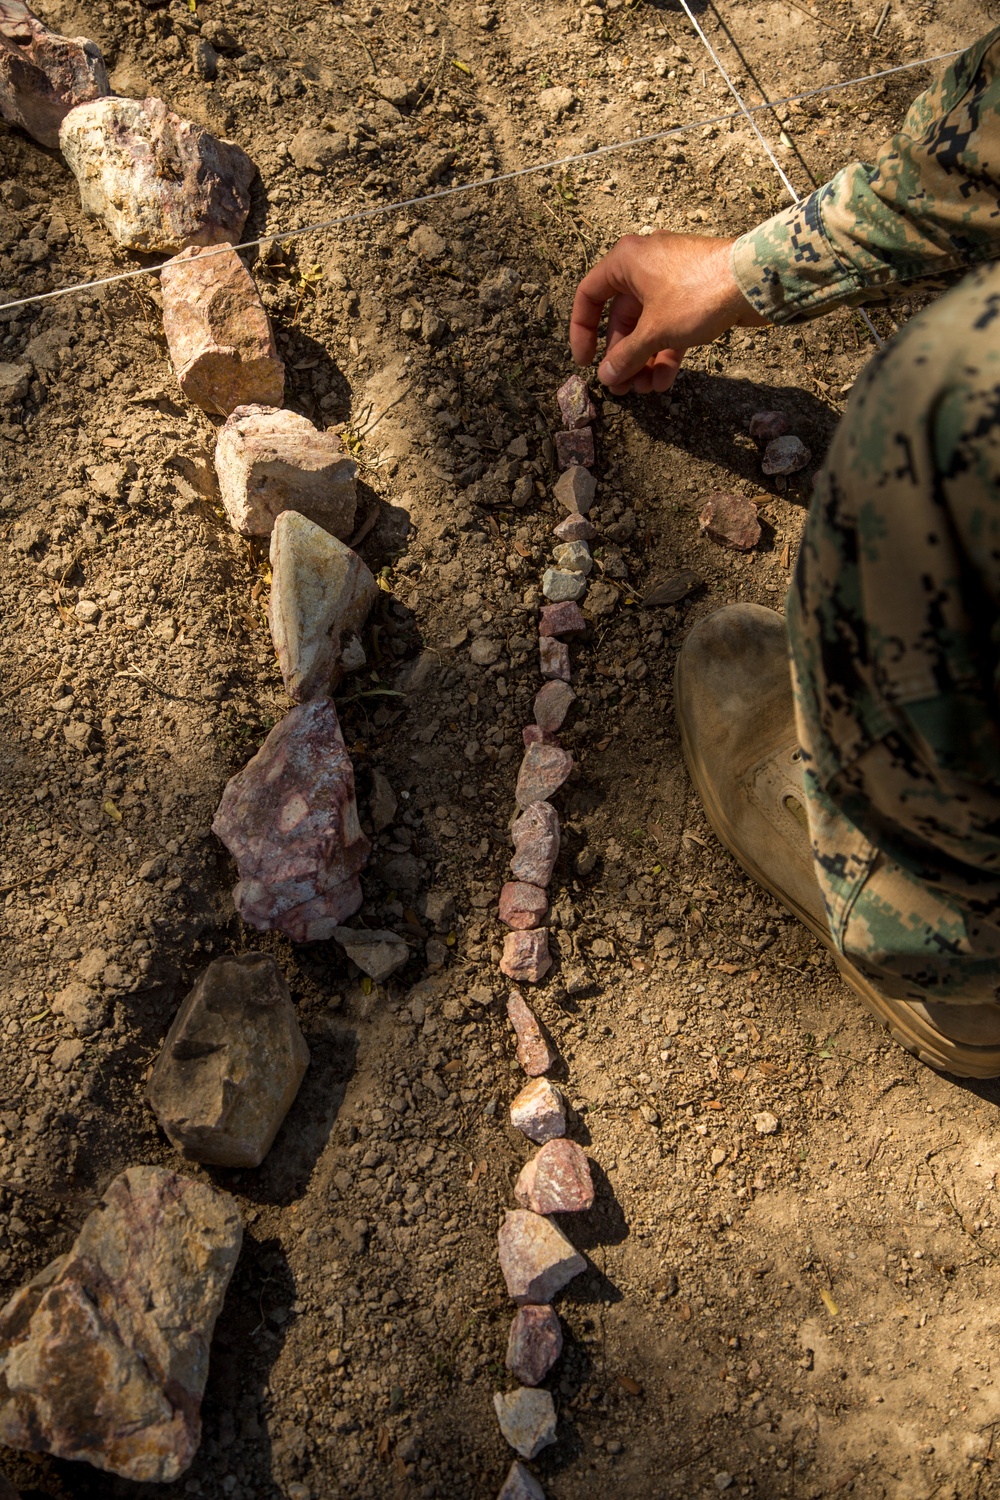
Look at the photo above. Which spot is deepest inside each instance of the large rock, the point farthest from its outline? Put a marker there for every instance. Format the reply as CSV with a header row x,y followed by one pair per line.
x,y
44,75
104,1355
269,461
320,591
158,182
290,820
536,1258
231,1064
218,334
535,1052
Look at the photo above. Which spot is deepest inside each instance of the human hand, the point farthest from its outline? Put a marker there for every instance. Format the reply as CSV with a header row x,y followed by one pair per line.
x,y
667,292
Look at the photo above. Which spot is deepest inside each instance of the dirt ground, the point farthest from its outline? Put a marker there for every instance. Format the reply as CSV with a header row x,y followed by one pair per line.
x,y
809,1313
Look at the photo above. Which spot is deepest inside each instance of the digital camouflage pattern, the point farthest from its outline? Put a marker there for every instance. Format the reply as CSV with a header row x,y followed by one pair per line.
x,y
926,211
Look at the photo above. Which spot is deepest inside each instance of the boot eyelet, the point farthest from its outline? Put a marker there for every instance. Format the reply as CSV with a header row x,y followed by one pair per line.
x,y
796,756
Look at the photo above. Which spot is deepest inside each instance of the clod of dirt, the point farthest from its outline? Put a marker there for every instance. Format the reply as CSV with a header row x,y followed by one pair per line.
x,y
556,1180
320,591
731,520
316,150
527,1419
268,461
535,1052
377,954
539,1112
556,101
534,1344
785,455
86,1009
526,958
522,906
536,1258
44,75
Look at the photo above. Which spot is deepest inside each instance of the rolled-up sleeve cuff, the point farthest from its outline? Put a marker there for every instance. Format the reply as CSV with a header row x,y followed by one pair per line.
x,y
787,268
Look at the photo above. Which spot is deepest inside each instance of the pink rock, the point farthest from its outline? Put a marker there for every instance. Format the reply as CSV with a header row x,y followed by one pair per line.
x,y
536,1258
44,75
575,449
290,821
556,1180
535,1052
534,1344
577,409
269,461
520,1484
731,520
552,703
218,333
575,528
561,619
765,425
553,658
539,1111
526,957
534,734
785,455
543,771
576,488
535,836
523,906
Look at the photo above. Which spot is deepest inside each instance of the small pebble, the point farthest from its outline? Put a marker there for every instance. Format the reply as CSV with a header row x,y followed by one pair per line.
x,y
765,1123
553,658
785,455
86,611
574,557
559,585
575,529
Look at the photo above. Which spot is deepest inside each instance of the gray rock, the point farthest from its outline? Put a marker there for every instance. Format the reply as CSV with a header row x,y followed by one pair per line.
x,y
520,1484
527,1419
377,954
317,150
558,585
785,455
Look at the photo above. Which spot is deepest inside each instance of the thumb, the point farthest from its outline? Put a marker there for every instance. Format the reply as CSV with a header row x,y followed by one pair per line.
x,y
629,354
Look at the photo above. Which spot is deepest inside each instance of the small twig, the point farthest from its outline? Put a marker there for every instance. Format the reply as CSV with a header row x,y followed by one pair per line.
x,y
363,432
365,526
362,44
814,16
880,23
25,682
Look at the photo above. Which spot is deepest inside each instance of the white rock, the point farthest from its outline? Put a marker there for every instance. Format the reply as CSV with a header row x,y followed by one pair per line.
x,y
269,461
521,1484
574,557
320,590
559,585
539,1111
765,1123
527,1419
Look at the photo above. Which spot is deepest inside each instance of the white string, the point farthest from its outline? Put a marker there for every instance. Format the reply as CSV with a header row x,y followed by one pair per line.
x,y
776,164
378,210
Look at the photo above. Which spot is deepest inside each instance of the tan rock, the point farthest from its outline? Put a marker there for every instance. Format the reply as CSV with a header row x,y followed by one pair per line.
x,y
218,334
539,1111
158,182
526,958
44,75
268,461
231,1064
527,1419
536,1258
104,1355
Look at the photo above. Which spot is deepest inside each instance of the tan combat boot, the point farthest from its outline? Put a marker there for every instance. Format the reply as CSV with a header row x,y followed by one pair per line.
x,y
733,699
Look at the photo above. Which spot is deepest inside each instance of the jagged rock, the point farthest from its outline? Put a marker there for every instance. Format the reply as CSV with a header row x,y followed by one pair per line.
x,y
730,520
534,1344
539,1112
520,1484
522,905
535,1052
536,1258
317,150
104,1355
377,954
231,1064
526,958
575,528
576,489
574,557
157,181
785,455
575,405
269,461
767,425
535,836
556,1180
575,449
527,1419
561,619
290,820
218,334
320,591
560,585
553,659
543,771
552,703
44,75
15,379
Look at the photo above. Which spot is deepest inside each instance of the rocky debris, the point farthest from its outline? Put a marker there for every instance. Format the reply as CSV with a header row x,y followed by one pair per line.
x,y
160,183
104,1355
766,1123
290,821
574,557
427,243
15,379
552,704
527,1419
500,289
575,448
765,426
536,1258
526,957
553,659
543,771
377,953
575,528
269,461
535,1052
561,619
539,1112
317,150
218,334
523,906
535,836
575,489
560,586
785,455
86,1009
575,404
730,520
320,592
672,590
556,1180
44,75
520,1484
534,1344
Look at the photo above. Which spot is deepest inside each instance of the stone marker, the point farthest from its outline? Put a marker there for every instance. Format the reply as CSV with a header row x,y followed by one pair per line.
x,y
553,703
160,183
534,1344
269,461
556,1180
535,836
553,659
104,1355
526,958
534,734
520,1484
785,455
576,490
219,336
44,75
231,1064
523,906
574,557
558,585
290,820
535,1052
575,528
527,1419
539,1112
377,954
320,592
561,619
536,1258
767,425
543,771
731,520
575,405
575,448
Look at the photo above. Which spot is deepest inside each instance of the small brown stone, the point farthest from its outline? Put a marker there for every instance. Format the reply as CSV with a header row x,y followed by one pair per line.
x,y
526,957
523,906
731,520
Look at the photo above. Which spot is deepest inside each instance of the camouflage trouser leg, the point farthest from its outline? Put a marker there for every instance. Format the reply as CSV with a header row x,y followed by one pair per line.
x,y
894,619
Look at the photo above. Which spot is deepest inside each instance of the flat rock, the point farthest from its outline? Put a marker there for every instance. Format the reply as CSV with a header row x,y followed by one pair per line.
x,y
160,183
317,150
785,455
269,461
231,1064
559,585
561,619
527,1419
535,1052
526,958
575,404
671,590
543,771
86,1009
536,1258
534,1344
218,334
575,449
574,557
290,820
44,75
539,1112
553,659
426,243
321,591
377,953
523,906
556,1180
104,1355
535,836
553,703
575,528
520,1484
575,489
767,425
730,520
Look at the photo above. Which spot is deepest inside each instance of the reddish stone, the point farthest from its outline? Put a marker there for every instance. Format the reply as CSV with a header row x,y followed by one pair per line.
x,y
553,703
576,489
535,1052
268,461
561,619
526,957
575,449
523,906
575,405
765,425
534,1344
536,1258
543,771
290,820
553,658
575,529
534,734
785,455
556,1180
731,520
535,836
44,75
539,1111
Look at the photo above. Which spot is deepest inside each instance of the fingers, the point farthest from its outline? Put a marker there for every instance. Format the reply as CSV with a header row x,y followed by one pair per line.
x,y
627,353
601,282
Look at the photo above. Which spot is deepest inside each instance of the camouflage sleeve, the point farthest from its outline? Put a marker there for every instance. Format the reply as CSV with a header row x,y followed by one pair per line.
x,y
922,214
